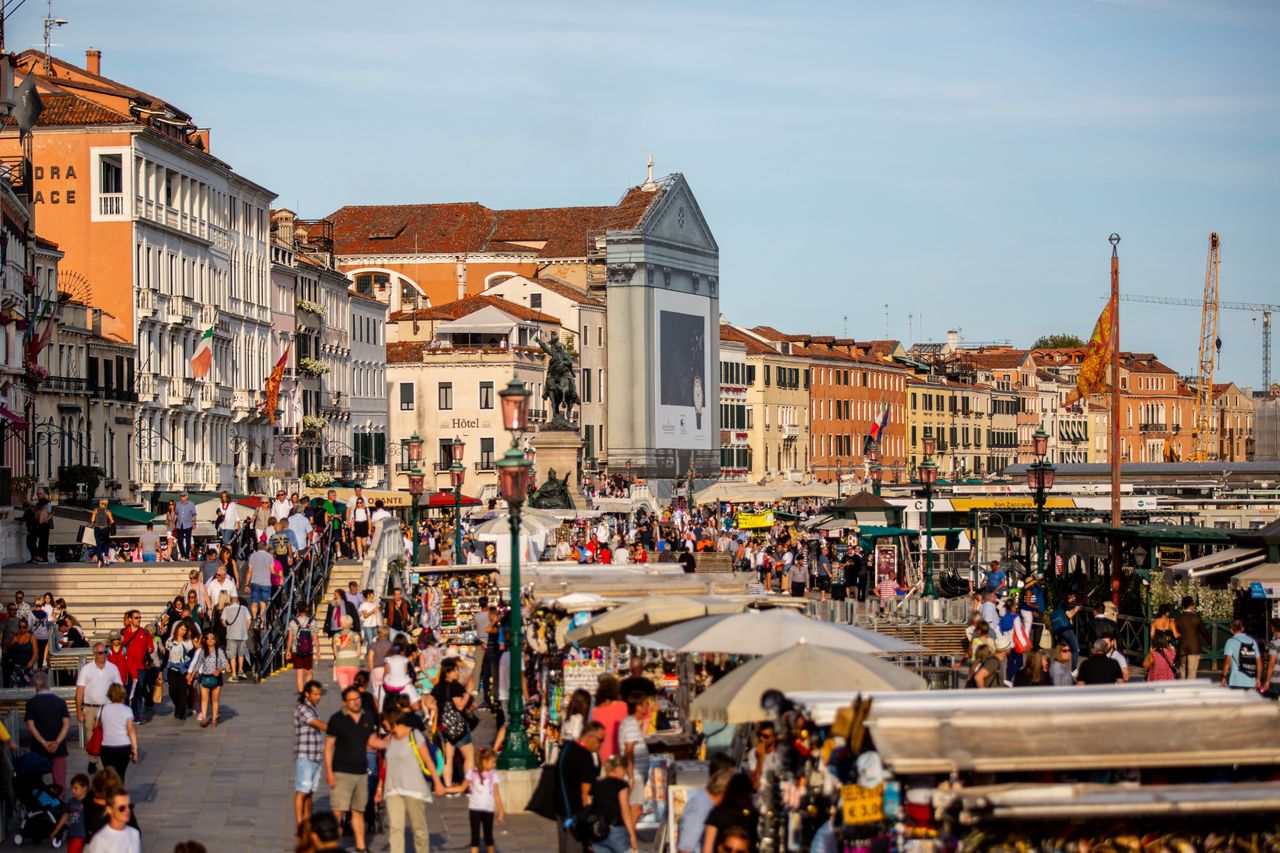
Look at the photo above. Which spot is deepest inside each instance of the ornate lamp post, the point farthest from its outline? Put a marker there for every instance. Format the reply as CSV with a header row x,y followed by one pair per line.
x,y
457,474
877,472
413,447
513,480
928,477
1040,481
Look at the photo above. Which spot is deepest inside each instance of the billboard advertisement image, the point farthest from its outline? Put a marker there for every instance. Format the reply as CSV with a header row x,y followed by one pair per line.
x,y
686,386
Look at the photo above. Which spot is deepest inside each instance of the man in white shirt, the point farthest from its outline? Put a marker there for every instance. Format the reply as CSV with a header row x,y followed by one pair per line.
x,y
281,507
219,585
227,518
379,513
301,527
990,611
91,687
117,836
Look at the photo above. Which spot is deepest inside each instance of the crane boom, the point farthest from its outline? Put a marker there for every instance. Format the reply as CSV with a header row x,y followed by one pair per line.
x,y
1261,308
1202,450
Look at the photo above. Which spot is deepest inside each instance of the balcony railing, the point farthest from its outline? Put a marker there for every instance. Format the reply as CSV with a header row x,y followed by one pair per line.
x,y
1153,427
485,465
441,467
146,302
111,204
208,315
65,385
791,431
537,416
146,384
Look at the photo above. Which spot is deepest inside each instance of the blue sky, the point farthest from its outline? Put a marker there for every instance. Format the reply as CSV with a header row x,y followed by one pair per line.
x,y
961,162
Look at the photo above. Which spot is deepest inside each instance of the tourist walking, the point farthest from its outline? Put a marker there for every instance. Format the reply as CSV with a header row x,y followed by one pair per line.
x,y
49,722
207,667
177,660
611,795
1192,635
404,787
300,645
377,649
119,732
577,770
1162,661
609,712
346,770
102,521
117,835
634,750
348,650
258,579
185,521
370,612
1241,660
92,682
484,800
452,703
235,618
308,749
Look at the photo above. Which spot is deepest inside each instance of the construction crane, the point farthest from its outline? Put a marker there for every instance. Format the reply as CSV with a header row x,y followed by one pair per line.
x,y
1210,346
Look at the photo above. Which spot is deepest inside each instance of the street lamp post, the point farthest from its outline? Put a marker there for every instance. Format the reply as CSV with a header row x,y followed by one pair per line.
x,y
928,477
457,474
413,446
513,479
1040,481
877,472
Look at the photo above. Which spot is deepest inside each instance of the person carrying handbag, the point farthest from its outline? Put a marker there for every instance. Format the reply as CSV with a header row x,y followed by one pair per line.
x,y
206,672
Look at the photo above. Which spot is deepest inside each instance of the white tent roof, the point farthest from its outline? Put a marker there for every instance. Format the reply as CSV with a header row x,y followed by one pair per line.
x,y
1226,560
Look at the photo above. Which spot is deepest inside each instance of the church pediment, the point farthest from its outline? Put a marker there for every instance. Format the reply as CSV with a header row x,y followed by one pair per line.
x,y
677,219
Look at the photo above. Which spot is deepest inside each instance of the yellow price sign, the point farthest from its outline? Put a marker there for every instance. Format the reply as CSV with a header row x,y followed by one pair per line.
x,y
862,805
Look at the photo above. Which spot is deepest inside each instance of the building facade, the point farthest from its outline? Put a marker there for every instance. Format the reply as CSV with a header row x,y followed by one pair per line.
x,y
369,390
735,413
778,407
170,241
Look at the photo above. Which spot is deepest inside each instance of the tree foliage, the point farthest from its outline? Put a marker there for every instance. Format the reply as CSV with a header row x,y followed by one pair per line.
x,y
1060,340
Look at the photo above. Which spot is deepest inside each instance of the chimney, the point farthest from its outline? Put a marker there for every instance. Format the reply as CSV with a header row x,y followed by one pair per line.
x,y
93,61
462,278
953,337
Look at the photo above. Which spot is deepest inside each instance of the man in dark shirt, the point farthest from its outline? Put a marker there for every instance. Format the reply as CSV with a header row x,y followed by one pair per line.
x,y
855,572
49,722
345,766
637,681
578,769
1099,668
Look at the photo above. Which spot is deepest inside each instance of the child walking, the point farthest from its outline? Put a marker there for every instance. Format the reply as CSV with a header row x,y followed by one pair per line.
x,y
72,819
483,798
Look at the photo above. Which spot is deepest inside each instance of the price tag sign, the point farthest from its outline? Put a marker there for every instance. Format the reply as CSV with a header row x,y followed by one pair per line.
x,y
862,805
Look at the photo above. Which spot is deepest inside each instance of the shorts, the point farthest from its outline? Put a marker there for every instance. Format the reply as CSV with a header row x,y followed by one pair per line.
x,y
235,649
635,795
306,775
350,792
306,662
259,593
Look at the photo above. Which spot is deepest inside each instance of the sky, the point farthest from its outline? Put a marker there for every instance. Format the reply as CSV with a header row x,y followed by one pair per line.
x,y
903,168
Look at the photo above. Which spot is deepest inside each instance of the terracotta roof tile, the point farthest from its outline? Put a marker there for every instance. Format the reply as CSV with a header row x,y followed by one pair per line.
x,y
1000,360
564,231
63,109
383,229
631,209
34,60
568,291
472,304
754,346
405,352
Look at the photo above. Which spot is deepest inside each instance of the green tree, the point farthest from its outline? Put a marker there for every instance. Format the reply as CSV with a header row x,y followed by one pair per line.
x,y
1056,341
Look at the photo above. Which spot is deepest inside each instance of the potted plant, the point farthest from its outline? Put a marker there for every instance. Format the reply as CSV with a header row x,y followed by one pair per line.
x,y
312,367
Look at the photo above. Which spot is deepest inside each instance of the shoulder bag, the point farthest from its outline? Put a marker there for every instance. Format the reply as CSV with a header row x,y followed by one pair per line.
x,y
452,724
588,825
94,745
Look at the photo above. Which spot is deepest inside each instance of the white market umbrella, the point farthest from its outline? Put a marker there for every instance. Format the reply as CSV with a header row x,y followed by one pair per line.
x,y
764,632
810,490
649,613
582,602
735,698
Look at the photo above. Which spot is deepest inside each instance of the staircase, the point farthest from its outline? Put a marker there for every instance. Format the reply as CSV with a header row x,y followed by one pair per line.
x,y
98,597
340,575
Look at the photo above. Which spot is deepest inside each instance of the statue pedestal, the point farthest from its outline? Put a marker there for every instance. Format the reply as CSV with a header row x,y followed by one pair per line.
x,y
560,450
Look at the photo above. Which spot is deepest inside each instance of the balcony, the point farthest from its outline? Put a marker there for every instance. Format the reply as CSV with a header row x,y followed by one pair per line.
x,y
172,311
207,395
241,401
186,308
146,303
335,405
537,416
1153,427
146,384
485,465
65,385
223,398
441,467
111,204
208,316
790,431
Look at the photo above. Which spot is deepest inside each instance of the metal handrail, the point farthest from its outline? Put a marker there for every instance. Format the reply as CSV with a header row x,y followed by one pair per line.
x,y
305,583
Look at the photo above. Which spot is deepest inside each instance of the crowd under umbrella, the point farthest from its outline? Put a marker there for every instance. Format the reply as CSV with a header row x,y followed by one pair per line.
x,y
644,615
737,697
763,632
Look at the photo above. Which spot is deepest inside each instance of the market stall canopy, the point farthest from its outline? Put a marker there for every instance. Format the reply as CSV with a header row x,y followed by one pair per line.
x,y
648,614
763,632
810,490
946,739
733,492
1228,560
1046,802
500,525
581,602
735,698
389,499
446,500
1267,574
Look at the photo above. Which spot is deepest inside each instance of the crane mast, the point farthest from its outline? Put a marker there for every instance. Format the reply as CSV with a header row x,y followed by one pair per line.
x,y
1202,449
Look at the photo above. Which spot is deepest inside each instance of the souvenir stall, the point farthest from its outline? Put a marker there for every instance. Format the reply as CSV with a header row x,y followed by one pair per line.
x,y
448,597
1025,769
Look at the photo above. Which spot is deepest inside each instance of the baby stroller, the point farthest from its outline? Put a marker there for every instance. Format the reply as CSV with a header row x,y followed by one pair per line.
x,y
39,803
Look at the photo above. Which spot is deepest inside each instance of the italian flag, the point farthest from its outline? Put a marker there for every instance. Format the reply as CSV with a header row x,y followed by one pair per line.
x,y
202,359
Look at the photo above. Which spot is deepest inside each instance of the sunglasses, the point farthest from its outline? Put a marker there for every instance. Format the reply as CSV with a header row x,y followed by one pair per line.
x,y
99,652
124,808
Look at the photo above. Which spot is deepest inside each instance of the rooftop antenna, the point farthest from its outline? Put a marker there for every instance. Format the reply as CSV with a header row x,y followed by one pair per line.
x,y
846,326
911,324
886,321
50,24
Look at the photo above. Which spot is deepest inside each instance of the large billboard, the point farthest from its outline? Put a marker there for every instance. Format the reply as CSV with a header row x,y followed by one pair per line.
x,y
686,388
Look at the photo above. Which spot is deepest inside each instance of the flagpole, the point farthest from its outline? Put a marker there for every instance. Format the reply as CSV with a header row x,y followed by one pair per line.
x,y
1115,418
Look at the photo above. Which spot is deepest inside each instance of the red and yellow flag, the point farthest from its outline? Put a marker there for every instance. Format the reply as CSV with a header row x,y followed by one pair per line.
x,y
1092,378
273,386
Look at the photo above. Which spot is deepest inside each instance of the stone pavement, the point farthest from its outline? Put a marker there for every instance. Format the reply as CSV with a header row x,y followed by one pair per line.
x,y
231,788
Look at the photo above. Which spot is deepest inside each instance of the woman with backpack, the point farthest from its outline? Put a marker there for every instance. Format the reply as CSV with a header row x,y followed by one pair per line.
x,y
102,521
300,645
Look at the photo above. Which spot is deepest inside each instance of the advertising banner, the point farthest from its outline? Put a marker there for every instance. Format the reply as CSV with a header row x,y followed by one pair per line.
x,y
685,391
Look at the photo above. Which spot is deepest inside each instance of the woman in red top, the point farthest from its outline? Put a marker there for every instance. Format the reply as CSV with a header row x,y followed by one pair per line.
x,y
609,712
